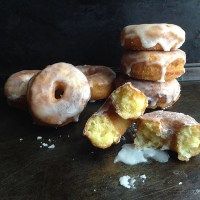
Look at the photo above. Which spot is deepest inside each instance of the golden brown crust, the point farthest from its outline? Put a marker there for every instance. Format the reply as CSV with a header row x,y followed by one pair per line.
x,y
15,88
101,80
156,37
160,95
169,130
154,65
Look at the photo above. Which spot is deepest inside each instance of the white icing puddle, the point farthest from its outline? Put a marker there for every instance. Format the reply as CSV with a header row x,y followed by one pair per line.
x,y
132,156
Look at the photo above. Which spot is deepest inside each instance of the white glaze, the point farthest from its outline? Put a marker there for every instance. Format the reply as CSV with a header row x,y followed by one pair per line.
x,y
169,117
100,75
154,91
163,59
44,106
167,35
16,85
131,155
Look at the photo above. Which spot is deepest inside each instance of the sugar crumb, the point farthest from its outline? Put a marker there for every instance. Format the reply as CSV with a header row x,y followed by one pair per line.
x,y
20,139
180,183
44,144
49,140
39,137
127,181
124,181
51,146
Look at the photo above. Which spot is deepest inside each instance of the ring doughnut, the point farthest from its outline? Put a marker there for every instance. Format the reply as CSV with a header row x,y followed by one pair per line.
x,y
101,80
169,130
110,122
160,95
58,94
154,65
157,37
16,87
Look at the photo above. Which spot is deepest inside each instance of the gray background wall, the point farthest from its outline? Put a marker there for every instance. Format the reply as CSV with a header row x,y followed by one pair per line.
x,y
35,33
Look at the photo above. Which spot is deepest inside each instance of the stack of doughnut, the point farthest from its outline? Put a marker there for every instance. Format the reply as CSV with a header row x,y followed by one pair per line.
x,y
58,94
152,61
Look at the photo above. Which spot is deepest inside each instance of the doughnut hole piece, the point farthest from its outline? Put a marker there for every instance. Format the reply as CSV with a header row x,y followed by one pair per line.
x,y
105,127
188,142
128,101
169,130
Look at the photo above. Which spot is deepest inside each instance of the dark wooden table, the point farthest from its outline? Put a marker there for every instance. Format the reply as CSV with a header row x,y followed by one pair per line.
x,y
75,170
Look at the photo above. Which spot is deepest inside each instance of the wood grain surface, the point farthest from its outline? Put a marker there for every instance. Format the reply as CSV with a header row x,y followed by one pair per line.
x,y
75,170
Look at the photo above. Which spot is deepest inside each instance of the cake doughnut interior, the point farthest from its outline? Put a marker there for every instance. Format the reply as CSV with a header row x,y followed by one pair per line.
x,y
111,121
169,130
128,101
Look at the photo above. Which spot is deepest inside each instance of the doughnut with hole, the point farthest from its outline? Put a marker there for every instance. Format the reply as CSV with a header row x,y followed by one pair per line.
x,y
157,37
169,130
154,65
58,94
16,87
101,80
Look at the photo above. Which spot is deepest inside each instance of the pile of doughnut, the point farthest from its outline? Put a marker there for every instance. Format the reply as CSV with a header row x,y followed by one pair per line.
x,y
56,95
151,63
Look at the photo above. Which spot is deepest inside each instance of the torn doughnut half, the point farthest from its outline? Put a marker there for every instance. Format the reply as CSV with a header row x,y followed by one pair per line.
x,y
169,130
110,122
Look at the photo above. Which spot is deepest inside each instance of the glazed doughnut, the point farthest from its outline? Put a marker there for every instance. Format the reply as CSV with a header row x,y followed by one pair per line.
x,y
16,87
157,37
154,65
160,95
58,94
111,121
100,79
169,130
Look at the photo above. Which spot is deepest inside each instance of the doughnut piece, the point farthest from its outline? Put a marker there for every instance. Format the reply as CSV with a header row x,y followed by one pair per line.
x,y
101,80
169,130
160,95
154,65
16,87
58,94
111,121
157,37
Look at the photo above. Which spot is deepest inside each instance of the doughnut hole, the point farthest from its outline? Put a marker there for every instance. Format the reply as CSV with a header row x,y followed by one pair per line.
x,y
59,90
147,135
188,142
129,102
101,131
